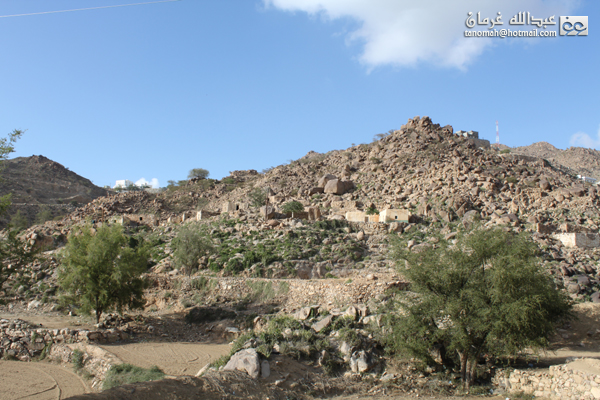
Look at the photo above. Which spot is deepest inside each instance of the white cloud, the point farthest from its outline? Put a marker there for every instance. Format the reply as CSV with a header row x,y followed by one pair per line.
x,y
153,183
404,33
582,139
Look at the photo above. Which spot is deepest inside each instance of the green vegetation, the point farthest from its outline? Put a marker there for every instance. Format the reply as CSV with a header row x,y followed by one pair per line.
x,y
7,146
14,252
258,197
263,291
505,151
43,215
198,173
18,221
235,253
372,211
487,294
77,359
102,270
302,343
293,207
190,244
200,315
123,374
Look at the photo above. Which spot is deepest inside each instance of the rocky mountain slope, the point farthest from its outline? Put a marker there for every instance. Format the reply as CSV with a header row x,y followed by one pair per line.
x,y
37,180
316,279
579,160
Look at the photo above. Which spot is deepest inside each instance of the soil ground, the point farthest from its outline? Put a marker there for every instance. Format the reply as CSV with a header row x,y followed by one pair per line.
x,y
38,381
172,358
179,350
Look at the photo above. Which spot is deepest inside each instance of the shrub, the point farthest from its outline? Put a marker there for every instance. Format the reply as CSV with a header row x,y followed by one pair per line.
x,y
199,315
293,207
77,359
126,373
372,211
189,245
505,151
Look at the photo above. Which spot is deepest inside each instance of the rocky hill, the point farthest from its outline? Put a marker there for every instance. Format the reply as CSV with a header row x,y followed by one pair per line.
x,y
578,160
37,180
316,281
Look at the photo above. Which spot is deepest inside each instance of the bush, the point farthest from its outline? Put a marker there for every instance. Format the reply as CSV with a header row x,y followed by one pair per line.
x,y
293,207
200,315
487,294
189,245
372,211
126,373
505,151
77,359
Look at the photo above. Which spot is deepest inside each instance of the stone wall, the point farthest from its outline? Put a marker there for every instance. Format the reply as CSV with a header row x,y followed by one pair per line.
x,y
577,380
20,340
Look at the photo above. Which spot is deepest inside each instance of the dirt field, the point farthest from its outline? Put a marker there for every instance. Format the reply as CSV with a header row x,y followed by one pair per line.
x,y
172,358
38,381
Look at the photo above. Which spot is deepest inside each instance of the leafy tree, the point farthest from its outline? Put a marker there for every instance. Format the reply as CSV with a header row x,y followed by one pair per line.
x,y
18,221
485,295
198,173
293,207
189,245
372,211
101,271
45,214
15,254
258,197
7,146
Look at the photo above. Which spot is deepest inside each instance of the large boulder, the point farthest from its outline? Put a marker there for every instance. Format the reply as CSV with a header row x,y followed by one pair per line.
x,y
339,187
245,360
326,178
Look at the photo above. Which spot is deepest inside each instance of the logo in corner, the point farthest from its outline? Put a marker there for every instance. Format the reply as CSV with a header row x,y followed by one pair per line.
x,y
573,26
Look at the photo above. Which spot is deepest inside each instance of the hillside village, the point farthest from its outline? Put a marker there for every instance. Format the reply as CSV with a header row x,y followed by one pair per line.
x,y
325,274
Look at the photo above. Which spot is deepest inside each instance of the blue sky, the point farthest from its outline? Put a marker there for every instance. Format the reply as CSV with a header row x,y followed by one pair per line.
x,y
152,91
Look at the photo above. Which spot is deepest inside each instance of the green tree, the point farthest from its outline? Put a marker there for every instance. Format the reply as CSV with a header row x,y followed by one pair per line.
x,y
14,252
43,215
293,207
14,255
199,173
188,246
7,146
18,221
101,271
485,295
258,197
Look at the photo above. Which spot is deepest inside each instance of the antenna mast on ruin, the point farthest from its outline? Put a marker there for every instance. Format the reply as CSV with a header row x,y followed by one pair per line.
x,y
497,137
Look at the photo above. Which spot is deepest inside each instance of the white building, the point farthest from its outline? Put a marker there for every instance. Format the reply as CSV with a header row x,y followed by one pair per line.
x,y
469,134
123,184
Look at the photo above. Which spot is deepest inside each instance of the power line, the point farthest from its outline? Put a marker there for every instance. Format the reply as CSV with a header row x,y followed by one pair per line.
x,y
85,9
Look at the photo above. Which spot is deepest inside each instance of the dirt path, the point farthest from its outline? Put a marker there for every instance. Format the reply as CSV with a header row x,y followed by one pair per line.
x,y
38,381
172,358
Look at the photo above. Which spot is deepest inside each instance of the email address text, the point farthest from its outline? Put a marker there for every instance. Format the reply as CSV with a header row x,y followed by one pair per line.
x,y
504,33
